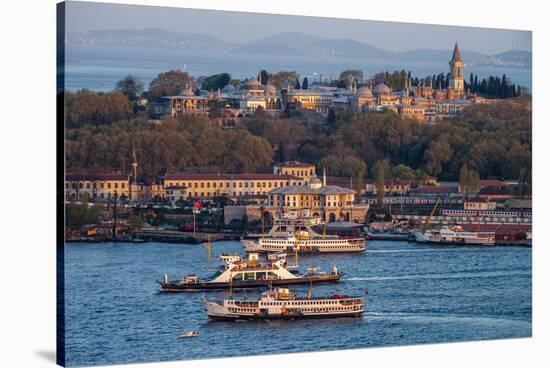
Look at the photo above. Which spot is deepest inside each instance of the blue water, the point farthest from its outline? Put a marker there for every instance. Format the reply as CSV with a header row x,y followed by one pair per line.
x,y
99,68
417,294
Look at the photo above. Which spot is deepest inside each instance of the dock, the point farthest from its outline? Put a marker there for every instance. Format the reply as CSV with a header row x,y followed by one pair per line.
x,y
174,236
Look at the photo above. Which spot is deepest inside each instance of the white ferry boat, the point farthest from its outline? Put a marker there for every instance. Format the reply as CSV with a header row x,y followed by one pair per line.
x,y
456,235
301,242
238,273
282,304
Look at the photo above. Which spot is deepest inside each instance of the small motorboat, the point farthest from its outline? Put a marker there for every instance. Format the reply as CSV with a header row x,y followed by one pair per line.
x,y
190,334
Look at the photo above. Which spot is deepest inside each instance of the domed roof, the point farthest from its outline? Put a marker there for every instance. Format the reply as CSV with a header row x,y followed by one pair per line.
x,y
364,91
228,88
253,84
315,182
381,89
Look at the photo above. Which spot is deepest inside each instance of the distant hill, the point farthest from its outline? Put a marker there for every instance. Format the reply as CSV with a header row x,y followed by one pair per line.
x,y
149,38
438,56
267,49
346,49
296,40
286,43
512,58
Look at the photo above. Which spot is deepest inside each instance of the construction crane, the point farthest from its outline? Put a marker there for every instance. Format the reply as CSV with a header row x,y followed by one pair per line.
x,y
431,214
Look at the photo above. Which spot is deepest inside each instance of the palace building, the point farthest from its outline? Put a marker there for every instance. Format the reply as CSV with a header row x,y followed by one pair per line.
x,y
229,185
185,102
331,202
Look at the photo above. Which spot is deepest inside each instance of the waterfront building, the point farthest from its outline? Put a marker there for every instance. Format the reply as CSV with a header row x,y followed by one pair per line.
x,y
229,185
479,204
176,194
99,187
330,202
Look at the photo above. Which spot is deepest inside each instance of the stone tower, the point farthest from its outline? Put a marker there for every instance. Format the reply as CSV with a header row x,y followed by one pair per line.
x,y
456,81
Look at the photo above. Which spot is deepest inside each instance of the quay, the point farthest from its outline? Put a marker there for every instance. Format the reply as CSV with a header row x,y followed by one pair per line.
x,y
174,236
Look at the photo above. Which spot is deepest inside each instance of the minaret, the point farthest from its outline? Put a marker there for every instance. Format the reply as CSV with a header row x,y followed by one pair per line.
x,y
324,176
133,183
456,81
134,164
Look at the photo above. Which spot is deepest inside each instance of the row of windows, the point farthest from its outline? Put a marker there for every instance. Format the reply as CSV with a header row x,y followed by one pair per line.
x,y
241,184
234,194
109,185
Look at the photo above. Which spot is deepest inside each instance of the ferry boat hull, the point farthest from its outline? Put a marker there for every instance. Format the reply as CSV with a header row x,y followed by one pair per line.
x,y
175,286
448,236
284,305
213,317
305,246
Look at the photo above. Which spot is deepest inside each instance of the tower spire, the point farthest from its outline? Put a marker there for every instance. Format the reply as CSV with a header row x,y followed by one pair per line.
x,y
456,53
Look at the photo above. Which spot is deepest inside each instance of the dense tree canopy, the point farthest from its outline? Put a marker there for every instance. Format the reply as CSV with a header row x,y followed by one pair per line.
x,y
172,145
490,140
87,107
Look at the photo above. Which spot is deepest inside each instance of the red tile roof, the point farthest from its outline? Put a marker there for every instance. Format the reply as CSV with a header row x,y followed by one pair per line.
x,y
94,177
206,176
492,183
434,189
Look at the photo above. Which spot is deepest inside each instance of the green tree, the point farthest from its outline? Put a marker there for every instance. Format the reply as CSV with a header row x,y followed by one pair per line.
x,y
136,222
130,86
216,81
305,83
283,78
403,172
468,181
438,154
524,182
264,77
380,171
171,83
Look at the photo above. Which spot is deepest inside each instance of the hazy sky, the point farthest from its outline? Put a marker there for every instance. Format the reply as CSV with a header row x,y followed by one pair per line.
x,y
242,27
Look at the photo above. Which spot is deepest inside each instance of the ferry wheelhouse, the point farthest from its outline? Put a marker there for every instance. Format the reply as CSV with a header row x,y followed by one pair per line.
x,y
282,304
456,235
238,273
291,222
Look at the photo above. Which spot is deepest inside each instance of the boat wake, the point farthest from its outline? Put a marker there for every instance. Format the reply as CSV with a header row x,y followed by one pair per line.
x,y
457,275
423,250
450,319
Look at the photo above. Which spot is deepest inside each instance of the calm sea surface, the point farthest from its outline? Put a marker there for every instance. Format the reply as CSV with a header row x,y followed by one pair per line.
x,y
99,68
417,294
